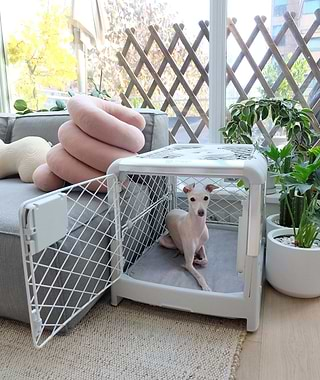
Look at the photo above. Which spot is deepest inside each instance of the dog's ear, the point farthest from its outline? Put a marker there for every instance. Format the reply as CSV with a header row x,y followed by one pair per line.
x,y
188,188
211,187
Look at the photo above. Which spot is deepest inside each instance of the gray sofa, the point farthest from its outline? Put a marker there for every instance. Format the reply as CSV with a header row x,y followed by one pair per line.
x,y
13,192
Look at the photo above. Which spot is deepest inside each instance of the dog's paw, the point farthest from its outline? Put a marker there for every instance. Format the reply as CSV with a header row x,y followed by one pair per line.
x,y
206,288
200,261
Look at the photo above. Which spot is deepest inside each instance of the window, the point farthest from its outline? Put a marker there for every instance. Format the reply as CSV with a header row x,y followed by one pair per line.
x,y
41,64
279,7
314,44
275,31
309,6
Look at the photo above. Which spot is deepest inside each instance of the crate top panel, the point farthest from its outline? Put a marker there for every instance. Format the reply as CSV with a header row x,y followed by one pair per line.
x,y
198,159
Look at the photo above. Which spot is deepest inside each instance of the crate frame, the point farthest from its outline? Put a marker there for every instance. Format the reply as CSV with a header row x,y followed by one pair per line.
x,y
251,168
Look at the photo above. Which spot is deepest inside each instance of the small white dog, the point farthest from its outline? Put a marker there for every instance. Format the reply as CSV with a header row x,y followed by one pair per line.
x,y
188,231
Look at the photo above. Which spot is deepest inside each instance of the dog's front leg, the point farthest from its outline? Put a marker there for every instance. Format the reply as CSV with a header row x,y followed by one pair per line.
x,y
189,257
201,257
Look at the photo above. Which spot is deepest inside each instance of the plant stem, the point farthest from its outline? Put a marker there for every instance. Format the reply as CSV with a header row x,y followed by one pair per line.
x,y
291,216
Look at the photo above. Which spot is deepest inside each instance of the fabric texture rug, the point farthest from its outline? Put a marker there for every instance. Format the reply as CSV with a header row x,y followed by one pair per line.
x,y
128,342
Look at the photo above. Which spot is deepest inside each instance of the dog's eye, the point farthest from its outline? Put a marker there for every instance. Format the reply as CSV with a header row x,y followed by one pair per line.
x,y
192,199
205,198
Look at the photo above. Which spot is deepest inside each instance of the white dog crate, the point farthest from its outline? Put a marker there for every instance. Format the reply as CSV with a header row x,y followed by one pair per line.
x,y
81,240
152,274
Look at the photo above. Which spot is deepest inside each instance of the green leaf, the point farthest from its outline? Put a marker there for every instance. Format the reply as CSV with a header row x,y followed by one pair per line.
x,y
246,139
60,104
315,150
27,111
240,183
246,111
250,103
273,153
286,151
264,113
243,126
251,119
307,110
20,105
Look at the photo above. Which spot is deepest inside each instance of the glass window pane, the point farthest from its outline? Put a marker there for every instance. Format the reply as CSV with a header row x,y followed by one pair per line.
x,y
41,62
314,44
188,114
279,10
309,6
280,2
245,67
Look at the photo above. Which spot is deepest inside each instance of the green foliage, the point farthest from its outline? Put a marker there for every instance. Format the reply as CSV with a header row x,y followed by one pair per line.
x,y
41,51
272,71
300,188
309,224
22,107
284,113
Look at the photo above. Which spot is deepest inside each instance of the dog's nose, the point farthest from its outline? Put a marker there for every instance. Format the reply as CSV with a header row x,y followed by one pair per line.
x,y
201,212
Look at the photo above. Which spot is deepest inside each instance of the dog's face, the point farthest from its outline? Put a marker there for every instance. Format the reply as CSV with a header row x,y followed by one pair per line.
x,y
199,199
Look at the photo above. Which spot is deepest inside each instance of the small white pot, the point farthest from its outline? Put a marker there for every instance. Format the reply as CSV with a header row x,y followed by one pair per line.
x,y
291,270
272,223
271,184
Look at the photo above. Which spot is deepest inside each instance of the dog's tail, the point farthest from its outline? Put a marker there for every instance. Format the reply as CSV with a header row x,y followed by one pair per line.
x,y
167,242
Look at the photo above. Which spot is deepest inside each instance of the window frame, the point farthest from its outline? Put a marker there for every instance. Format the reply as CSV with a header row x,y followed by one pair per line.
x,y
4,88
217,69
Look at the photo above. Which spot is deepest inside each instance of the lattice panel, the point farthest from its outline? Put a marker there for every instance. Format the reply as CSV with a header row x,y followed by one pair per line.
x,y
156,94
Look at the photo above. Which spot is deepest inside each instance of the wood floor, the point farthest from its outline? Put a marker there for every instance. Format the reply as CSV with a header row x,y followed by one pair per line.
x,y
287,344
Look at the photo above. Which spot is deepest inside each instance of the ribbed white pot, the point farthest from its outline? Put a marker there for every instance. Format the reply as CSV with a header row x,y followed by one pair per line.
x,y
291,270
272,223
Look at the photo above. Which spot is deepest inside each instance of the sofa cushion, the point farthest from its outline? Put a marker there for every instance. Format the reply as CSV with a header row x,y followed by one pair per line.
x,y
43,124
46,125
6,125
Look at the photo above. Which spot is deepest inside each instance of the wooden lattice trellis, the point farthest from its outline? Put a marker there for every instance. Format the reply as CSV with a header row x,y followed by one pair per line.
x,y
192,102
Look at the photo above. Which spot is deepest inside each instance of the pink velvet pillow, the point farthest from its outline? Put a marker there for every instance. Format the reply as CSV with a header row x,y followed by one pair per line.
x,y
98,133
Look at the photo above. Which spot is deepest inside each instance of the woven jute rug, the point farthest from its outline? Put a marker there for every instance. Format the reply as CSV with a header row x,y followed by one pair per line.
x,y
128,342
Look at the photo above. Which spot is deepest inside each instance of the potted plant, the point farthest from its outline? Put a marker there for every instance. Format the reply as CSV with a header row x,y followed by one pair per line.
x,y
284,113
293,254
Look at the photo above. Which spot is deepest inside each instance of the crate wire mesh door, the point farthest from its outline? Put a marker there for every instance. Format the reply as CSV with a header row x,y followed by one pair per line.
x,y
69,239
154,275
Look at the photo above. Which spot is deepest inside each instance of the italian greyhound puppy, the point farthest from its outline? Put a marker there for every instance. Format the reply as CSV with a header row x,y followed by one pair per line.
x,y
188,231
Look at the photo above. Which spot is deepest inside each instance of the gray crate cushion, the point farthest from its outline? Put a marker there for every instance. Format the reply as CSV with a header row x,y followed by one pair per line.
x,y
164,266
46,125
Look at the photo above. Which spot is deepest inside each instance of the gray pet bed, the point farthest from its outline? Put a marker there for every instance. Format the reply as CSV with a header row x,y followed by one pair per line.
x,y
164,266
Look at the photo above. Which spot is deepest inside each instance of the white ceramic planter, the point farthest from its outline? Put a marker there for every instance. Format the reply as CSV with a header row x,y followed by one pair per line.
x,y
271,184
272,223
291,270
